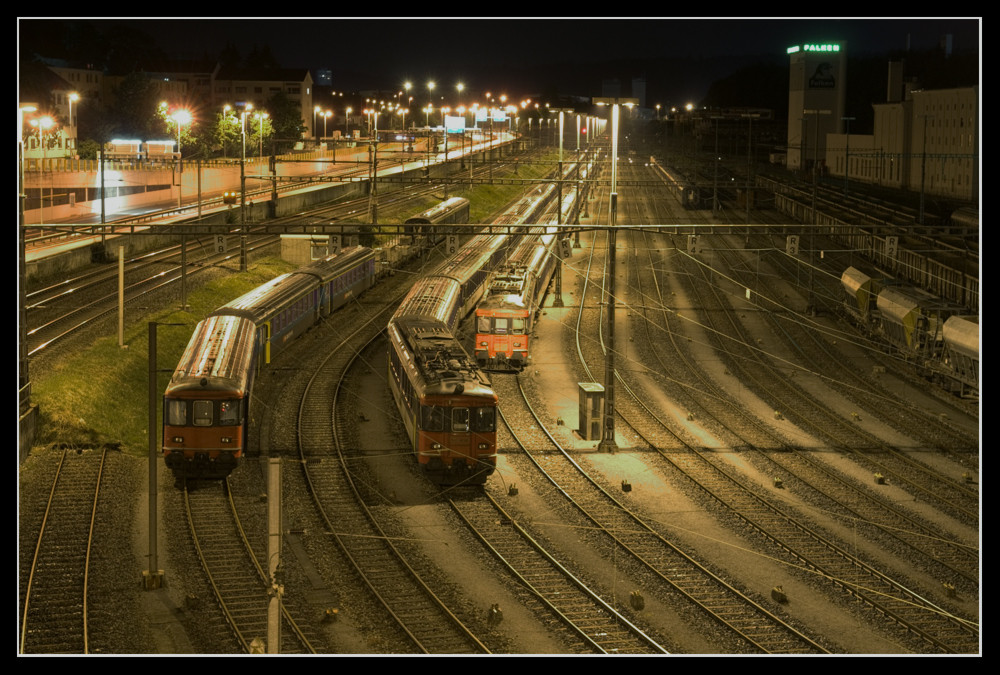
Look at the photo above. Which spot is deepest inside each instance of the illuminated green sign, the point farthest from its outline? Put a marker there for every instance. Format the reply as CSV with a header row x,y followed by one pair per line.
x,y
832,47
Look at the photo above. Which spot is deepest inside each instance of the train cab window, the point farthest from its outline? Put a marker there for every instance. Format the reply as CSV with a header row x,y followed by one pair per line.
x,y
432,418
202,413
500,327
176,412
517,325
229,412
460,419
483,324
484,419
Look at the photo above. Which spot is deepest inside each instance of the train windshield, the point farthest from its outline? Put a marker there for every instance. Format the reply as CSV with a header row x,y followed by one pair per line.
x,y
484,324
517,325
229,412
176,412
432,418
484,419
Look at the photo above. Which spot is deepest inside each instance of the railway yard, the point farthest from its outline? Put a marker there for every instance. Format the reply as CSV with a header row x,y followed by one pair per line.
x,y
781,482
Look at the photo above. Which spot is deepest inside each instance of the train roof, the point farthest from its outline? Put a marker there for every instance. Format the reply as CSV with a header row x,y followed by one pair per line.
x,y
961,334
433,214
471,258
218,357
435,361
264,301
431,297
903,303
854,279
335,263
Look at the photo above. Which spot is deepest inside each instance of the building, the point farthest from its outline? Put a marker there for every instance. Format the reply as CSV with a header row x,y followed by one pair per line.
x,y
817,89
52,97
240,85
924,140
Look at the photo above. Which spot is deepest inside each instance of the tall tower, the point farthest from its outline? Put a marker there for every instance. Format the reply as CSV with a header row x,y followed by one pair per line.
x,y
817,87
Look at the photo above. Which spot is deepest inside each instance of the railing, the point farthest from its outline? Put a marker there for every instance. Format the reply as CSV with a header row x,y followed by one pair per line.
x,y
70,165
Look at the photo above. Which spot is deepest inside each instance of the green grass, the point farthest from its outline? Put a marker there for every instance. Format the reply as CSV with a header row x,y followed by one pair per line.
x,y
100,394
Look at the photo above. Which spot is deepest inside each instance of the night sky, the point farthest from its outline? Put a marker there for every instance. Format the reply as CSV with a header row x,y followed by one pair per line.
x,y
370,52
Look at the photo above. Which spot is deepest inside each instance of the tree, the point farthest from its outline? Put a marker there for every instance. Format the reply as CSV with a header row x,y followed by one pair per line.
x,y
135,112
286,117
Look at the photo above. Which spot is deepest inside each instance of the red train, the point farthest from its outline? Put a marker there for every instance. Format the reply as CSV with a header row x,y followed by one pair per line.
x,y
206,404
505,318
445,401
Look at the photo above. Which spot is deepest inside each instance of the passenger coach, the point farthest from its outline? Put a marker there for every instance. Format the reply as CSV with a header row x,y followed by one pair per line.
x,y
206,404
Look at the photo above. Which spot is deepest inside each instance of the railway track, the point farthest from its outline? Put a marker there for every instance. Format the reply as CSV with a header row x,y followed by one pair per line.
x,y
796,400
951,560
332,471
239,582
759,630
937,627
54,589
587,619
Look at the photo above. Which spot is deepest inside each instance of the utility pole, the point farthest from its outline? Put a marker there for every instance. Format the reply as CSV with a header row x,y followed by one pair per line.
x,y
607,443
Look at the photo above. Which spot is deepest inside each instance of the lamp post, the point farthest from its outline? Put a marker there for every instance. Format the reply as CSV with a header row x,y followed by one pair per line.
x,y
73,97
812,231
347,121
42,123
750,117
243,186
430,100
608,443
263,116
180,117
326,116
23,378
847,152
923,168
315,112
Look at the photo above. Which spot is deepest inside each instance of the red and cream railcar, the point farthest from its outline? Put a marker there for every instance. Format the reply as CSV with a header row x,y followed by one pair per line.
x,y
446,403
206,405
506,316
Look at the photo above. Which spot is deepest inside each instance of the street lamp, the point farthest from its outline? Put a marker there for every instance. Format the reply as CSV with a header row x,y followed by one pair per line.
x,y
73,97
326,116
347,121
181,117
243,185
261,116
315,112
430,100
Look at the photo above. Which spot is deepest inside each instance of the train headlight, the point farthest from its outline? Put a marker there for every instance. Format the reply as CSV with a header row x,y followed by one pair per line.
x,y
483,343
517,344
484,446
177,439
226,439
435,446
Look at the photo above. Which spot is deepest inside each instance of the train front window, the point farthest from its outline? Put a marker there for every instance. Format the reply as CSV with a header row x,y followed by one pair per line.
x,y
229,412
432,418
483,324
460,419
517,326
500,328
202,413
176,412
484,419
